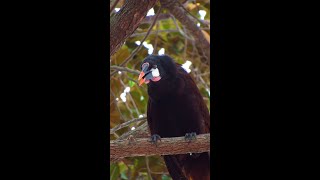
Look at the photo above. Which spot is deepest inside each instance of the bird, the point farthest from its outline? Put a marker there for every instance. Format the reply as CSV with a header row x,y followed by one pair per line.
x,y
176,108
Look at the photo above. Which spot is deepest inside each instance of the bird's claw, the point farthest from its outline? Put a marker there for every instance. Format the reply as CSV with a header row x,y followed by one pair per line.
x,y
155,138
190,136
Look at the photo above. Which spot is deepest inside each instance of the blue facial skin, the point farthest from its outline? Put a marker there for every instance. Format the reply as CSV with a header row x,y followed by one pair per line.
x,y
148,74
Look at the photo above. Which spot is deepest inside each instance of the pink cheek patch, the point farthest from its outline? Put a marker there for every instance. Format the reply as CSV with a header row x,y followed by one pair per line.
x,y
147,81
155,79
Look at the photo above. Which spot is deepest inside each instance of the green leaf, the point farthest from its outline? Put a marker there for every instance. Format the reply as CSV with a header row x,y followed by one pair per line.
x,y
114,172
165,177
123,175
131,83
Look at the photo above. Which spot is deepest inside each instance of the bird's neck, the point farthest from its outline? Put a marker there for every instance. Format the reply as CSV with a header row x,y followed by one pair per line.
x,y
165,91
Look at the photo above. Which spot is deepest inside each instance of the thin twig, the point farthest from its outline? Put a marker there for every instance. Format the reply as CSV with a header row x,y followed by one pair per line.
x,y
199,20
180,30
142,129
121,116
156,40
152,172
128,108
117,136
204,74
150,19
114,5
118,68
197,72
162,31
134,103
148,168
185,45
127,123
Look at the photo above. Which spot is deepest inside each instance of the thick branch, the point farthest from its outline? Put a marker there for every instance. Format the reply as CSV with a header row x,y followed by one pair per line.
x,y
126,21
179,13
143,147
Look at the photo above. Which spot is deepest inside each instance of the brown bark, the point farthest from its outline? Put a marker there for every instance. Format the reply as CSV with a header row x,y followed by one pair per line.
x,y
143,147
126,21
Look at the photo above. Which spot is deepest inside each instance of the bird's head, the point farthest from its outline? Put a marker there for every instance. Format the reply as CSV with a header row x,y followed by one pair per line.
x,y
156,69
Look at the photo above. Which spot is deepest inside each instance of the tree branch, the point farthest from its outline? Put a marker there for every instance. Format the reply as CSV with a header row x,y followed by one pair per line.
x,y
150,19
139,132
113,6
126,21
160,31
127,123
167,146
118,68
202,44
199,20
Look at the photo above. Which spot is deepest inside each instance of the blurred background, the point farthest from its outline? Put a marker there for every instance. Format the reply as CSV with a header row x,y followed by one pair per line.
x,y
128,100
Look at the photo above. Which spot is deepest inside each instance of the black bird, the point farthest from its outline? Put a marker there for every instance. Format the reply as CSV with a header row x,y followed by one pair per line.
x,y
176,108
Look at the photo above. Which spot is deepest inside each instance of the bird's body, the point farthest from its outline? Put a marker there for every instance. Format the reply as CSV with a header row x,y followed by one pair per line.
x,y
175,108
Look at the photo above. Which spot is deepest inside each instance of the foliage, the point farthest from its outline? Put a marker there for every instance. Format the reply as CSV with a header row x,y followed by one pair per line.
x,y
163,35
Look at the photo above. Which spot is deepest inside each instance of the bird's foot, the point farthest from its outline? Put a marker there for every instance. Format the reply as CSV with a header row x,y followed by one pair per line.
x,y
190,136
155,138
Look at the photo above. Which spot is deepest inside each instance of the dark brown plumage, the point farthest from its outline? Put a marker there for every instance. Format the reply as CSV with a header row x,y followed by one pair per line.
x,y
175,108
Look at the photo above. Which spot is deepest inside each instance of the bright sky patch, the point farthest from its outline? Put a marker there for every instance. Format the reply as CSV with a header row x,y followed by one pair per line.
x,y
187,65
150,12
161,51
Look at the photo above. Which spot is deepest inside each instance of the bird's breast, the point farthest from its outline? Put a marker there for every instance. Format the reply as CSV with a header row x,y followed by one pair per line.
x,y
174,117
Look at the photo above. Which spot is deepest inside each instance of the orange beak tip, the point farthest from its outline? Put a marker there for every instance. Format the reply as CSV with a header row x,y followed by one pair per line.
x,y
141,75
141,82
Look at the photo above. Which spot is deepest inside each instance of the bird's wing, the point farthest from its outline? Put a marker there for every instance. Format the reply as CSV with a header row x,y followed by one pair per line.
x,y
202,107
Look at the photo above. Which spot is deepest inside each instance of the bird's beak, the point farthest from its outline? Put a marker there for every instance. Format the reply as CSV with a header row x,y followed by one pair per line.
x,y
140,79
144,75
141,75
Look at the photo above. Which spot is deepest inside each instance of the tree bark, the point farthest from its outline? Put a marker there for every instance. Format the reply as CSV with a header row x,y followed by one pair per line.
x,y
143,147
126,21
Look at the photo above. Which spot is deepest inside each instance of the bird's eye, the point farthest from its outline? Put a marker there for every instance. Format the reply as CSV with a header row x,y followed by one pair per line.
x,y
154,66
144,65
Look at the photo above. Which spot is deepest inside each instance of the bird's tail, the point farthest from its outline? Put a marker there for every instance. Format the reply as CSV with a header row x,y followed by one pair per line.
x,y
198,168
187,167
174,168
